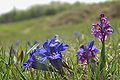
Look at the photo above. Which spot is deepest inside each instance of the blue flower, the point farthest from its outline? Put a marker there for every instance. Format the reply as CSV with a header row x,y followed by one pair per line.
x,y
17,42
36,42
12,50
33,62
28,43
52,50
87,52
30,61
77,34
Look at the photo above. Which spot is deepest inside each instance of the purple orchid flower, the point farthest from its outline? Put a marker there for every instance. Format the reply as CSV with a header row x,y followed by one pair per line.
x,y
87,52
103,29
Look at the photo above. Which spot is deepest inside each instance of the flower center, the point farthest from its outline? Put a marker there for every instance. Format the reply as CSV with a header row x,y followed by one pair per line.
x,y
98,27
54,53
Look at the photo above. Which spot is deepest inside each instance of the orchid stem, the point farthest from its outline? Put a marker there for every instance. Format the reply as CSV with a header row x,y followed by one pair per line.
x,y
103,60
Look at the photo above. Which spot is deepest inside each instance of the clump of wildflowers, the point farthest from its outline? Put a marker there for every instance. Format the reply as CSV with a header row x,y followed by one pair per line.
x,y
103,29
52,50
87,53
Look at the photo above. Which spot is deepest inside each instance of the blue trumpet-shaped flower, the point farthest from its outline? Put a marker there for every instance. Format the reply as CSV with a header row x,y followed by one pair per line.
x,y
34,62
87,52
52,50
30,61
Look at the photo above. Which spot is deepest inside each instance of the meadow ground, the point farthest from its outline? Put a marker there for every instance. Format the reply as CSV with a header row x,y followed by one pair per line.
x,y
21,31
42,28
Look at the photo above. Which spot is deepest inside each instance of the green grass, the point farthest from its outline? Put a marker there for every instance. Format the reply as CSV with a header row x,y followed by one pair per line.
x,y
39,30
42,28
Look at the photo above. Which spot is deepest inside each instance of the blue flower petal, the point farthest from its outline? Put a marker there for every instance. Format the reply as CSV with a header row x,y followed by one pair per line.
x,y
61,47
77,34
29,62
90,45
95,49
57,63
57,56
46,45
43,52
81,50
26,65
43,59
78,54
54,41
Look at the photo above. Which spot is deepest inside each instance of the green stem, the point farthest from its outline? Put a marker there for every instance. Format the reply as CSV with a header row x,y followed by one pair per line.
x,y
62,73
91,68
78,40
102,60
